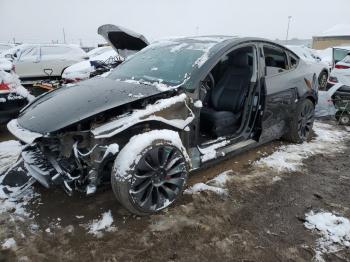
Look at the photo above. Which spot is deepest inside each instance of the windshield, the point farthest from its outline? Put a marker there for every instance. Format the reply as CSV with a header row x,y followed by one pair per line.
x,y
170,63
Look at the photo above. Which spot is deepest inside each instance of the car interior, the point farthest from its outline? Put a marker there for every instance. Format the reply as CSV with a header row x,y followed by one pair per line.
x,y
226,89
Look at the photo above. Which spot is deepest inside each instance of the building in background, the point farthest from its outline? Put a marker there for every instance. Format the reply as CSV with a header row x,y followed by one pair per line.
x,y
338,35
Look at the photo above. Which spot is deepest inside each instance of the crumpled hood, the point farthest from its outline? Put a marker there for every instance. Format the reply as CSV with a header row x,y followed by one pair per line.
x,y
70,104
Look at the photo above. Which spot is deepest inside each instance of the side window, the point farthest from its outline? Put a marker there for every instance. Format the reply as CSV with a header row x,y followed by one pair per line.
x,y
293,61
29,53
275,60
54,50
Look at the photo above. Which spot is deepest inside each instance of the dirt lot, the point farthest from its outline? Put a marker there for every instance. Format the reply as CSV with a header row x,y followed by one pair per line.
x,y
260,217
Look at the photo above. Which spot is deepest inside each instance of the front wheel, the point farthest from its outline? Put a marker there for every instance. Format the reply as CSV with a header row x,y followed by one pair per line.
x,y
302,123
150,172
323,81
344,119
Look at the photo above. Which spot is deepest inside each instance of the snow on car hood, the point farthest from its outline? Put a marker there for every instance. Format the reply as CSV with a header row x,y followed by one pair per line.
x,y
121,38
72,103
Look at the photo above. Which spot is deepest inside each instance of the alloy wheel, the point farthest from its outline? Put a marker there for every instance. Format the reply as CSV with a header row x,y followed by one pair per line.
x,y
305,121
160,176
323,81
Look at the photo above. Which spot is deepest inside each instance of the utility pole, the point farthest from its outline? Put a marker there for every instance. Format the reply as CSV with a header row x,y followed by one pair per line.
x,y
289,18
14,40
64,36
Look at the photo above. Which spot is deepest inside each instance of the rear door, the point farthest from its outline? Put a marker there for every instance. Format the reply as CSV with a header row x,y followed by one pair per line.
x,y
281,91
28,63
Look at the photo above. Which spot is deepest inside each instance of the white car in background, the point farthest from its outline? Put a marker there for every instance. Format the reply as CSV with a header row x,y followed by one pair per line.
x,y
123,44
319,67
41,61
98,51
341,66
4,47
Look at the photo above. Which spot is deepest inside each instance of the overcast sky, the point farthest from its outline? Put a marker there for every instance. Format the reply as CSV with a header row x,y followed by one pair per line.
x,y
43,20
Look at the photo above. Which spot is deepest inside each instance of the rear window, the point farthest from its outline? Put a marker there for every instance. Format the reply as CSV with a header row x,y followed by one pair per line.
x,y
346,59
275,60
339,54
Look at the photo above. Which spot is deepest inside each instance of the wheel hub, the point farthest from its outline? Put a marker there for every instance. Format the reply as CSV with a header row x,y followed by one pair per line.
x,y
160,175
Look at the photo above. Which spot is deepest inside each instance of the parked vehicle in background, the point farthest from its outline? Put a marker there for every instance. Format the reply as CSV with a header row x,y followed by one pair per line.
x,y
6,65
40,61
124,43
13,96
5,47
98,51
318,66
340,73
92,67
173,107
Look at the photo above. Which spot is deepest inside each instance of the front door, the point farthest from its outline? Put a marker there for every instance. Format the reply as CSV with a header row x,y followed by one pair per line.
x,y
28,63
280,92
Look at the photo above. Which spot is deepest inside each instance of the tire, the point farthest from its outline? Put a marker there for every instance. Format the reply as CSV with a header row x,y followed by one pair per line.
x,y
150,172
302,123
323,80
344,119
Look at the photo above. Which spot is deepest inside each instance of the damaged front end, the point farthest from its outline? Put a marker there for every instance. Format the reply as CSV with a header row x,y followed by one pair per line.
x,y
80,156
71,160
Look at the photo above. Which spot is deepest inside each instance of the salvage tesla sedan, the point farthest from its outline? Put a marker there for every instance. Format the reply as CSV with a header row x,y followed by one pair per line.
x,y
173,107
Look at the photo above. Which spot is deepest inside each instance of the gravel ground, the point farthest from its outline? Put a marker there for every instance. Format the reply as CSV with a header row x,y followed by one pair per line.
x,y
259,217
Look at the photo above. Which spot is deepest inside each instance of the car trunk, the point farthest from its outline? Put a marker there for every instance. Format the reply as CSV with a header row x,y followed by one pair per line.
x,y
123,40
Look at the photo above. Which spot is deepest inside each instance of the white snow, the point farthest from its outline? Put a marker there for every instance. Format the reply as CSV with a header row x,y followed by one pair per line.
x,y
199,187
216,185
289,157
9,152
9,243
125,121
334,231
210,151
111,149
132,152
221,179
103,224
198,104
15,85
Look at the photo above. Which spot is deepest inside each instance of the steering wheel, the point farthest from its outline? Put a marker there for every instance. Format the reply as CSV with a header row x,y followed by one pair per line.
x,y
209,82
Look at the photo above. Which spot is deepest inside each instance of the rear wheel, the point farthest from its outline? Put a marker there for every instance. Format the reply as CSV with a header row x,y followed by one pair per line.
x,y
153,180
323,80
302,123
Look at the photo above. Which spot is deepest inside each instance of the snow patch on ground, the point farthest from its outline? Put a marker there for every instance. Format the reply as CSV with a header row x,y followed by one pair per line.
x,y
9,243
334,231
216,185
200,187
328,140
9,152
103,224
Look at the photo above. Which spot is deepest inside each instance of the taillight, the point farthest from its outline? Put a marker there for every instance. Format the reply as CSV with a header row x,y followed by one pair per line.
x,y
342,67
4,86
332,79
